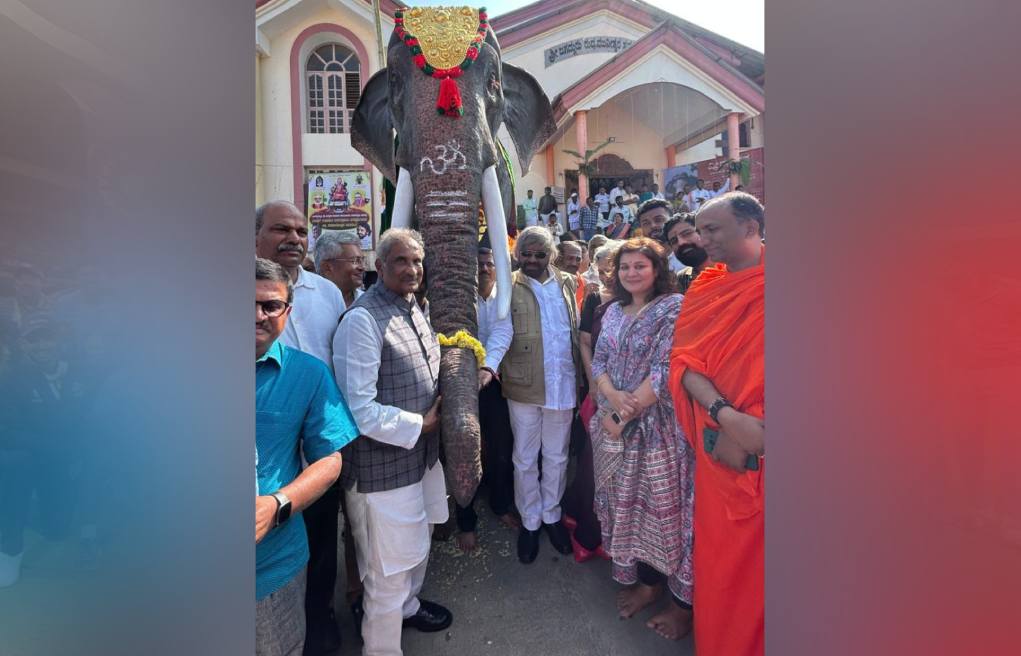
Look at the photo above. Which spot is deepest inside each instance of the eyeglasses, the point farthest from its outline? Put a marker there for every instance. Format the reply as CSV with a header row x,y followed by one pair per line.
x,y
272,309
539,255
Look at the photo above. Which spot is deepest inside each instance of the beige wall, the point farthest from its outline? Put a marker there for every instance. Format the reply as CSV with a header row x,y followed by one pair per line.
x,y
273,104
529,55
260,193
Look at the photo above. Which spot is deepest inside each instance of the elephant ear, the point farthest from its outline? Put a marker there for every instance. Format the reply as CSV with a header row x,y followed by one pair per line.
x,y
372,127
527,113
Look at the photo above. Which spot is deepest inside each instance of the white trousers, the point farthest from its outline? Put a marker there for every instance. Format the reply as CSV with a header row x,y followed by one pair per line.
x,y
539,430
392,532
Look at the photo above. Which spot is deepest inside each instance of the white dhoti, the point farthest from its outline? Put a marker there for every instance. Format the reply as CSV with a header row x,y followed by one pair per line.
x,y
392,532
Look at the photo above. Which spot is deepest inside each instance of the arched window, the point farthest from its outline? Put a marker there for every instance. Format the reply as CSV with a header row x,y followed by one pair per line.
x,y
332,72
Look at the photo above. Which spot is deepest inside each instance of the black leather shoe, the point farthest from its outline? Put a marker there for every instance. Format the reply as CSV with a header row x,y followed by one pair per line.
x,y
559,537
528,545
430,617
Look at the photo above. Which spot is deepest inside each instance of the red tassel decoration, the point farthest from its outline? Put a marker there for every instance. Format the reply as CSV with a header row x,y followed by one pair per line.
x,y
449,101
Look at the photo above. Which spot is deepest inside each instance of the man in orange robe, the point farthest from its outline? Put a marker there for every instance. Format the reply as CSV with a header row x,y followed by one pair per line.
x,y
717,379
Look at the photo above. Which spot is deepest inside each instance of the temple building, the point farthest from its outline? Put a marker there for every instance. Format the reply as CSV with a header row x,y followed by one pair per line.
x,y
659,100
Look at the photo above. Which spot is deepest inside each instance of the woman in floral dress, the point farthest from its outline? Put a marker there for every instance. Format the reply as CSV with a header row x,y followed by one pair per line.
x,y
644,467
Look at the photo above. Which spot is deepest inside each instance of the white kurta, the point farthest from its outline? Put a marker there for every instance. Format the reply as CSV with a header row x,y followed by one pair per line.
x,y
391,529
494,333
557,355
315,313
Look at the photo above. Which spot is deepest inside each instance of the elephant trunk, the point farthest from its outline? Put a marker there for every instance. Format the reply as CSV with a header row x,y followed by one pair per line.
x,y
447,208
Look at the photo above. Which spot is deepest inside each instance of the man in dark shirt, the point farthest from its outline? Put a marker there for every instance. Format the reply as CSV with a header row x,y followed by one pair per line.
x,y
547,206
685,242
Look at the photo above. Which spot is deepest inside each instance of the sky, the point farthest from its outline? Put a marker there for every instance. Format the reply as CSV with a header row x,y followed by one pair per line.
x,y
739,20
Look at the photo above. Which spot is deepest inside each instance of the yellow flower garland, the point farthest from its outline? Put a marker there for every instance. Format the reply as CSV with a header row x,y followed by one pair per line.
x,y
462,339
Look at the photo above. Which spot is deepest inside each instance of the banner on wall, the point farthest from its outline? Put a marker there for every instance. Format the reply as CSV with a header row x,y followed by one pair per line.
x,y
713,170
341,201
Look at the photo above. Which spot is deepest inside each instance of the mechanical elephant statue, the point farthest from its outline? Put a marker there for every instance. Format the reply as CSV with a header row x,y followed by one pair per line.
x,y
444,167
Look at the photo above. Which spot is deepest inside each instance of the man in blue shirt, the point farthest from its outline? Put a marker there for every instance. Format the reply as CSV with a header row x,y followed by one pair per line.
x,y
298,409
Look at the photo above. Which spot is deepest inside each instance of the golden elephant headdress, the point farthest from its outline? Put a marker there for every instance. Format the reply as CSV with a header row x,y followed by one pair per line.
x,y
444,42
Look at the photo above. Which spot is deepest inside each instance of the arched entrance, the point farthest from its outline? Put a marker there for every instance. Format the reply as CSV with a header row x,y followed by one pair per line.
x,y
608,170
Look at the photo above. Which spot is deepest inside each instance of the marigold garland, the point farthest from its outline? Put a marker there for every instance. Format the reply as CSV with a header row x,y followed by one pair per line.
x,y
449,101
462,339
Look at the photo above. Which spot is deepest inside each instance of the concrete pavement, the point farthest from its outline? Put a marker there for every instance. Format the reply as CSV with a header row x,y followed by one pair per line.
x,y
504,608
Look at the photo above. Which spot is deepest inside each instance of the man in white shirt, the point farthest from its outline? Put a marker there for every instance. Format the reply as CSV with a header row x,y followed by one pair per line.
x,y
540,376
281,235
339,259
656,193
631,200
615,192
494,420
603,202
622,209
698,195
720,189
387,363
531,207
574,215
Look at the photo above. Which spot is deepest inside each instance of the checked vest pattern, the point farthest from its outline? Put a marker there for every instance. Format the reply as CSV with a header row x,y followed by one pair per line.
x,y
408,379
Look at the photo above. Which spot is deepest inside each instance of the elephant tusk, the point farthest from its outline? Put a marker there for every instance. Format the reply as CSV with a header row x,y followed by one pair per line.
x,y
404,200
492,205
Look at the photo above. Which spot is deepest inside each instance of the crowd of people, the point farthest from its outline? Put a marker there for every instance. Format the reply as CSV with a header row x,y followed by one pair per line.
x,y
637,352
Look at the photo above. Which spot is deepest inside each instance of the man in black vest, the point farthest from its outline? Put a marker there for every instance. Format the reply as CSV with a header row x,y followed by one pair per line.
x,y
386,360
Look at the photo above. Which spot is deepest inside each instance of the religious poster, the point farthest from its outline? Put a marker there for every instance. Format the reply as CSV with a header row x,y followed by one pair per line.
x,y
341,201
675,177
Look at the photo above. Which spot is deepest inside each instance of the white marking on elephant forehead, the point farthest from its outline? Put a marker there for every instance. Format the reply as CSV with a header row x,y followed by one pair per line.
x,y
446,215
447,158
434,194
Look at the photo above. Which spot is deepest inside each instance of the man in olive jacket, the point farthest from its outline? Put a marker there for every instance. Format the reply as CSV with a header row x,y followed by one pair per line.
x,y
540,375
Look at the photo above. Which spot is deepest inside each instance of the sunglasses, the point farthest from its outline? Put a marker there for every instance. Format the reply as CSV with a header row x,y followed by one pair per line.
x,y
538,255
274,308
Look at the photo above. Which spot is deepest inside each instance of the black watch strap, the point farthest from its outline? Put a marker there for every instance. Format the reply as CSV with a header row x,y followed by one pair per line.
x,y
718,404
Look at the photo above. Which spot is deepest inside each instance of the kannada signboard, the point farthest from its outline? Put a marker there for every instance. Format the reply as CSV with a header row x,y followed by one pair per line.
x,y
341,201
584,46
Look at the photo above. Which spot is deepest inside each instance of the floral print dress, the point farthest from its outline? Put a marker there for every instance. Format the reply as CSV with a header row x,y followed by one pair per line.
x,y
645,484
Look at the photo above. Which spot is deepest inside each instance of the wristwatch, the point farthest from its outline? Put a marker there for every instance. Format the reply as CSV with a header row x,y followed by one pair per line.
x,y
283,508
718,404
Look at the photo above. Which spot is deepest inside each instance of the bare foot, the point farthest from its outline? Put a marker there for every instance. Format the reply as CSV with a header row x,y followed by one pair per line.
x,y
673,622
633,599
510,520
466,542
